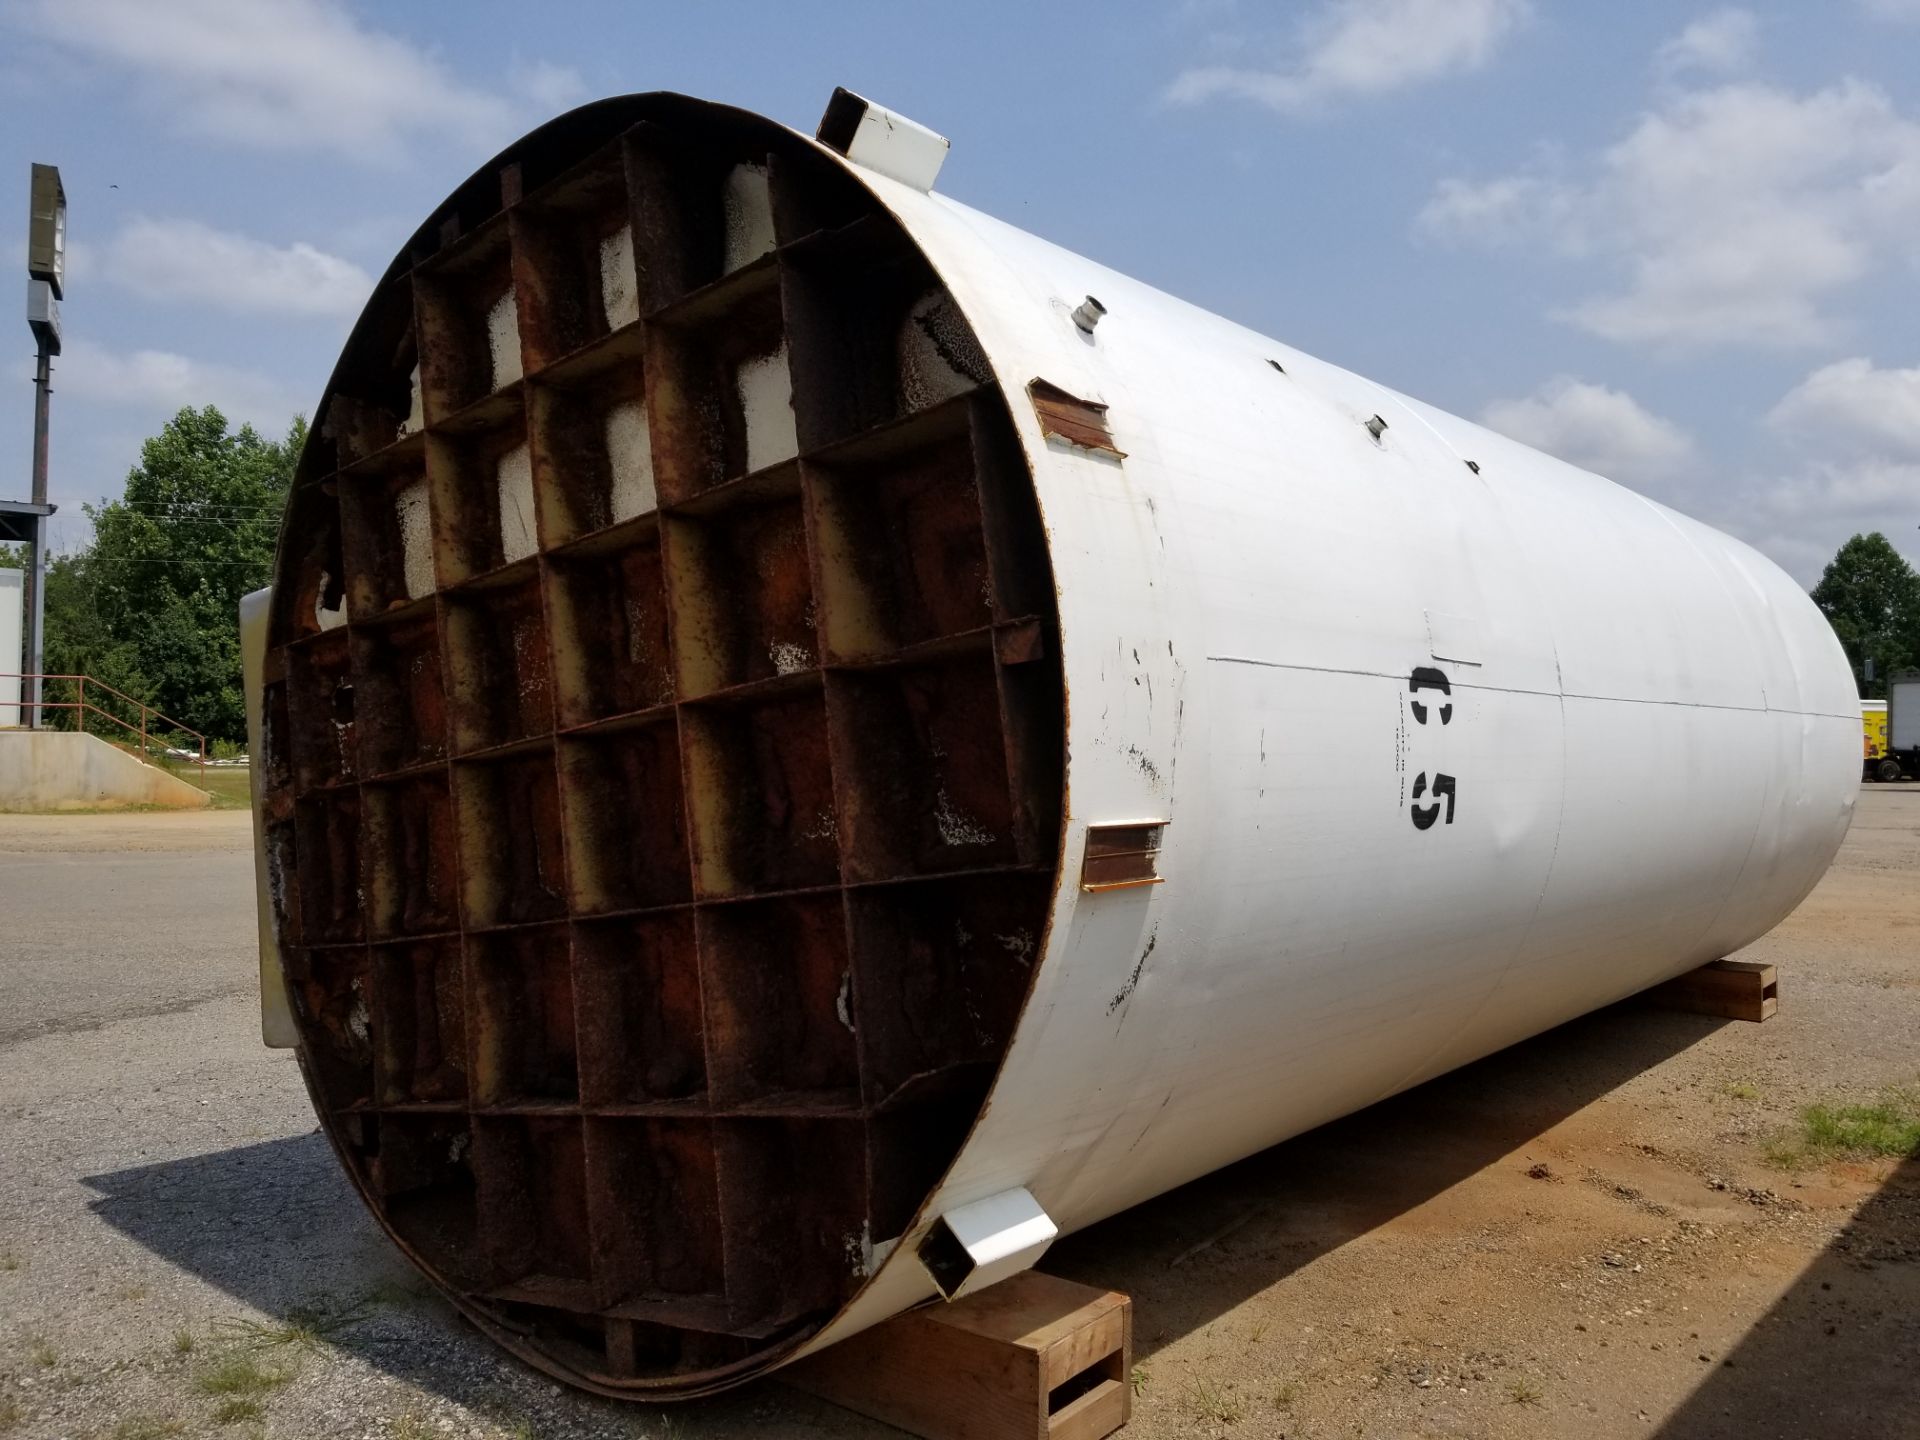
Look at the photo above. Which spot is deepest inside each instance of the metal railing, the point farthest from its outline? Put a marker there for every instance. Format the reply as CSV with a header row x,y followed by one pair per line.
x,y
143,727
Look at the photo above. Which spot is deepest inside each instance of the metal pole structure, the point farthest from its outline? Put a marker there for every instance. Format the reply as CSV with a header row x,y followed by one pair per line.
x,y
35,581
46,272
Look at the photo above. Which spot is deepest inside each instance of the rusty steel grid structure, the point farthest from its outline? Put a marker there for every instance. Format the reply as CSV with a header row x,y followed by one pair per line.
x,y
661,792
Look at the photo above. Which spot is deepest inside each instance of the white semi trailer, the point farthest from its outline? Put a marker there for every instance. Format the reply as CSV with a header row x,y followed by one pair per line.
x,y
1902,760
813,740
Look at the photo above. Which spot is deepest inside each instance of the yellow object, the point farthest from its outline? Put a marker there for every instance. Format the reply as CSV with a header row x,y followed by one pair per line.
x,y
1873,719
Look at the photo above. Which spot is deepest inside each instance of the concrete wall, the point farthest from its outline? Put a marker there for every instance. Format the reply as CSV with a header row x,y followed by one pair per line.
x,y
63,770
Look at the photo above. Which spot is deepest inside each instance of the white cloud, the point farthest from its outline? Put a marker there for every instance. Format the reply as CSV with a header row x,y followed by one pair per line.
x,y
1510,210
553,88
1721,43
1849,462
274,74
186,262
1801,518
1606,431
1853,408
1856,428
1736,215
1364,47
159,383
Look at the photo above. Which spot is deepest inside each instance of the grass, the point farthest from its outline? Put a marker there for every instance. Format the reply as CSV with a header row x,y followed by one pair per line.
x,y
1210,1401
10,1261
134,1292
239,1374
1886,1127
236,1408
1741,1090
10,1415
230,786
305,1326
41,1353
1523,1392
183,1342
509,1424
148,1427
408,1425
1285,1394
1137,1378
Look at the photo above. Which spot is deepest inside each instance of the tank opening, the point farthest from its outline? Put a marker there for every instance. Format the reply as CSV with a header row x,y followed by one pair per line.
x,y
945,1259
664,744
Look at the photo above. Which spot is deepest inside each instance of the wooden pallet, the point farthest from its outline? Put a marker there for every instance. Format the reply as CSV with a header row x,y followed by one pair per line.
x,y
1032,1358
1733,989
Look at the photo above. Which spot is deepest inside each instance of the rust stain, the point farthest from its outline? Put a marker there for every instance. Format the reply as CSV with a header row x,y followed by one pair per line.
x,y
1078,422
659,906
1133,979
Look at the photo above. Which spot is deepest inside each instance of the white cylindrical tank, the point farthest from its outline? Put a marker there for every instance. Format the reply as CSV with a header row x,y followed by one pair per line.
x,y
1652,746
1388,742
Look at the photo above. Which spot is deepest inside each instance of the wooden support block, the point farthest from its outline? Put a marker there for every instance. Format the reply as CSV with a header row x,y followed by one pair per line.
x,y
1734,989
1032,1358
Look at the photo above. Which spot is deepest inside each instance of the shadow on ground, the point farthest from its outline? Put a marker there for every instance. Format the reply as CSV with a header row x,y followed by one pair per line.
x,y
212,1214
278,1227
1839,1355
1283,1208
276,1223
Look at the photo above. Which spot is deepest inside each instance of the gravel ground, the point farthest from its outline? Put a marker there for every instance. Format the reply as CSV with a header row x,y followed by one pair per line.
x,y
1577,1237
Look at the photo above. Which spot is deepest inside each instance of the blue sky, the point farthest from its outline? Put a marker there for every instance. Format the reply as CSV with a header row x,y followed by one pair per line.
x,y
1677,243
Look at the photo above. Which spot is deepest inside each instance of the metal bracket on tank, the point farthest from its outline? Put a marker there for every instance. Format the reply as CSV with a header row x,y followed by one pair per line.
x,y
277,1029
882,140
1122,855
973,1246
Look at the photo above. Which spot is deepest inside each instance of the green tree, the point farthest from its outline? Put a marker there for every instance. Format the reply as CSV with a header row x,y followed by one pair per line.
x,y
151,605
1871,596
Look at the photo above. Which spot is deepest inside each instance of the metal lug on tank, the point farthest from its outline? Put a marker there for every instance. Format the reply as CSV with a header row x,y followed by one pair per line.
x,y
882,140
973,1246
1087,314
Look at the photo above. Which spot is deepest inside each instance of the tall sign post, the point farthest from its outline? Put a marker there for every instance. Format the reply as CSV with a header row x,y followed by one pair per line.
x,y
46,286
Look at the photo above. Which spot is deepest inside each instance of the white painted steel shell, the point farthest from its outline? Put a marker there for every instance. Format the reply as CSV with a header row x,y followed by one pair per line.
x,y
1654,735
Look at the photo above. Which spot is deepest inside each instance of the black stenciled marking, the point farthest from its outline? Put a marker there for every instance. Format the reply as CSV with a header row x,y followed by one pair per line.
x,y
1425,677
1425,815
1400,751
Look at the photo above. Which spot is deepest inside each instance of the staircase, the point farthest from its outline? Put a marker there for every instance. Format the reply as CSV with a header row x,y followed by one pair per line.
x,y
71,768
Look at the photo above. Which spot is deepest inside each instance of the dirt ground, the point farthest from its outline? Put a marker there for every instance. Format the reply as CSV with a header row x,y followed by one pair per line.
x,y
1577,1237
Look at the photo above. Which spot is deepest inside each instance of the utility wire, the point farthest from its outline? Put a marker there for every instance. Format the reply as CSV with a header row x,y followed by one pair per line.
x,y
183,512
188,564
